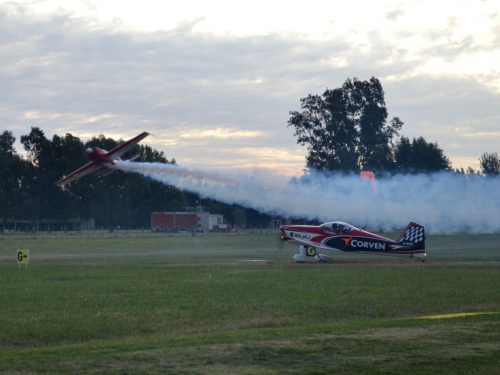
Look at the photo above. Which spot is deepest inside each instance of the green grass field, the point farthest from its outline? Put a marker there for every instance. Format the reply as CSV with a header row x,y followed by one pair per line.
x,y
143,303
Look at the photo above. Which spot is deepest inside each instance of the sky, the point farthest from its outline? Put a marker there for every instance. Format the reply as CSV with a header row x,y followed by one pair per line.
x,y
214,81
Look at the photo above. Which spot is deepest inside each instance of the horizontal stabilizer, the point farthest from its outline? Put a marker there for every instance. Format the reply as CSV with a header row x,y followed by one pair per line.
x,y
133,157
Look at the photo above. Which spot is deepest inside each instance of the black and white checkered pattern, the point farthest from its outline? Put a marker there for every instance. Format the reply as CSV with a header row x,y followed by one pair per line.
x,y
414,234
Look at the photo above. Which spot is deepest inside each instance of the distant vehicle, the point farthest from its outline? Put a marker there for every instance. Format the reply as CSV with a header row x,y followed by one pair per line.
x,y
340,236
102,159
221,228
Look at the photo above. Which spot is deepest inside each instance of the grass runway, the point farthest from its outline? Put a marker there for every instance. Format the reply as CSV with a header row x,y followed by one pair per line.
x,y
143,303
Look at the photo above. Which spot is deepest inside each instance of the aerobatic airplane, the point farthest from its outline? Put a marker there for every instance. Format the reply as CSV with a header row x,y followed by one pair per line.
x,y
339,236
101,159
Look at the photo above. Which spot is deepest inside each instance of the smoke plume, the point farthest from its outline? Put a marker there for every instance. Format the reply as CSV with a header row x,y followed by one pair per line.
x,y
443,202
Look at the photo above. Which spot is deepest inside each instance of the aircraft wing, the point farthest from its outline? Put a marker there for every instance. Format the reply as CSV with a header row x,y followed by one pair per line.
x,y
126,146
80,172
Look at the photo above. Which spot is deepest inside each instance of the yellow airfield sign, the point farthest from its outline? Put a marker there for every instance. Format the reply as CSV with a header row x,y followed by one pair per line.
x,y
23,256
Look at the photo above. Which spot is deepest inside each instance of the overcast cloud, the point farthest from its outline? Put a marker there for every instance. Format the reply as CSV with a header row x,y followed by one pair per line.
x,y
215,85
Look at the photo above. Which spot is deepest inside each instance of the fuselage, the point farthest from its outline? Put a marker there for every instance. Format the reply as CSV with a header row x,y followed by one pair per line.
x,y
334,236
98,155
340,236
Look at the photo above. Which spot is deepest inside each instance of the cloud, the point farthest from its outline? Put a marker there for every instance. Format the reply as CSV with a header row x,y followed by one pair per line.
x,y
459,114
80,72
222,133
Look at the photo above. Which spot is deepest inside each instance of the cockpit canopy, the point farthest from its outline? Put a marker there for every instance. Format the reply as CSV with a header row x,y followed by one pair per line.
x,y
337,227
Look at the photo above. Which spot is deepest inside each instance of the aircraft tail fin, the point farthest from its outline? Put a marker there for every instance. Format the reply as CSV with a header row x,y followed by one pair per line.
x,y
413,237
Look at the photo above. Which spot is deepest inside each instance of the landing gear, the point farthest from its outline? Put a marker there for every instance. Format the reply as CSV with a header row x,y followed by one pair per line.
x,y
418,259
310,255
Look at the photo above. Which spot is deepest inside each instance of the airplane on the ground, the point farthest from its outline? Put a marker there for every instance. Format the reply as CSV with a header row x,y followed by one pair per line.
x,y
101,159
340,236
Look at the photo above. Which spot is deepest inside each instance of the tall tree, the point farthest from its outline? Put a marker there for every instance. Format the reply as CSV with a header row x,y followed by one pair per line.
x,y
13,182
419,156
490,164
68,154
49,160
381,159
345,127
41,190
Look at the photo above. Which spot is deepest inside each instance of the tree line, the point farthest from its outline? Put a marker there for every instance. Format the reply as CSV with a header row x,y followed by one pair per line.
x,y
345,130
28,194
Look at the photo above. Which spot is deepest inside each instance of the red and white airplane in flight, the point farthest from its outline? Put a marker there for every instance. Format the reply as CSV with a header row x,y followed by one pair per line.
x,y
101,159
340,236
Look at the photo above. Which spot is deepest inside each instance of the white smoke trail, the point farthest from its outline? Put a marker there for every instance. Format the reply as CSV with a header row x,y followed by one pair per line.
x,y
442,202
